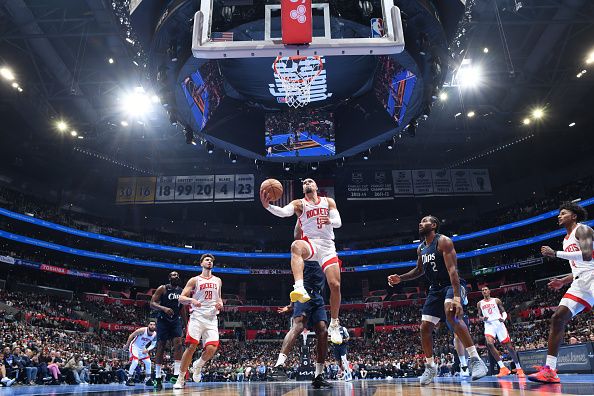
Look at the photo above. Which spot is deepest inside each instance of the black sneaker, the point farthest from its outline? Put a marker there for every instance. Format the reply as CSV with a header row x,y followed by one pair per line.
x,y
278,374
149,382
158,384
130,382
320,382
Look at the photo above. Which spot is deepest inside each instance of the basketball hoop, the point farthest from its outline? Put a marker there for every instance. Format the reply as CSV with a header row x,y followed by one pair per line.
x,y
296,74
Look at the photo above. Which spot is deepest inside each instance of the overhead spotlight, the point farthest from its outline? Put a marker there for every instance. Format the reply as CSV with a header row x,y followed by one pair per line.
x,y
189,136
390,144
81,137
526,121
15,85
443,96
411,129
136,103
286,166
73,133
314,166
486,50
468,75
61,125
579,75
590,58
366,154
572,124
457,115
7,73
110,60
233,158
155,99
128,39
20,89
470,114
209,147
538,113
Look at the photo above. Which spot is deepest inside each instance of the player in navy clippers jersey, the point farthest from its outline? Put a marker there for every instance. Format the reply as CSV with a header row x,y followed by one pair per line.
x,y
436,258
308,315
340,353
165,300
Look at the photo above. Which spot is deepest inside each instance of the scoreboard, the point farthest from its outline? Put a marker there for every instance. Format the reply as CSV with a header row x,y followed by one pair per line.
x,y
192,188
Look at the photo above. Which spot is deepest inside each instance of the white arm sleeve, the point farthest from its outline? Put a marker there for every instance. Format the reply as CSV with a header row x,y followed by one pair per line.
x,y
287,211
334,217
504,316
571,256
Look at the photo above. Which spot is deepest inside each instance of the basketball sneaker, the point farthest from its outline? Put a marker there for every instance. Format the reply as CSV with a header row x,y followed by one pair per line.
x,y
149,382
478,368
130,381
348,377
299,294
320,382
159,384
545,374
180,383
503,371
196,372
334,332
428,375
464,372
520,373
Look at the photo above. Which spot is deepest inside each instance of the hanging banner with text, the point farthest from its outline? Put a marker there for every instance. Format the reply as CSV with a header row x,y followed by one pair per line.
x,y
185,189
370,185
418,182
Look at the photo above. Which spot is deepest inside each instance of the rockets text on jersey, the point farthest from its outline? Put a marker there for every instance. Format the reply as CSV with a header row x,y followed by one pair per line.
x,y
207,292
571,244
310,221
142,340
490,309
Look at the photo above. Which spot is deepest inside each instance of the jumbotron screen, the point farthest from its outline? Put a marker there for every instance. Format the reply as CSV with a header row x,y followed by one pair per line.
x,y
300,134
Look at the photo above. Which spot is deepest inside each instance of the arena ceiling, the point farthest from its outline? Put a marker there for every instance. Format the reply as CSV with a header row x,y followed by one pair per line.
x,y
59,52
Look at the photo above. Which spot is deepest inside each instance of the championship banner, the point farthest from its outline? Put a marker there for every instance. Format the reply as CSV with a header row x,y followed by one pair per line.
x,y
419,182
185,189
370,185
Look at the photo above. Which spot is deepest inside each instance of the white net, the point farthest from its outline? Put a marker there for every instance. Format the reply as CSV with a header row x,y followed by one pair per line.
x,y
296,74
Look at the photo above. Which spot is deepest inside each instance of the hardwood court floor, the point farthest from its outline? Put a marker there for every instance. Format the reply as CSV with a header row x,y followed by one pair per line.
x,y
571,385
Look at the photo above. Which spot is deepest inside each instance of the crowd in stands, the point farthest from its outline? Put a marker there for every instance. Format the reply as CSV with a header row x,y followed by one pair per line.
x,y
48,351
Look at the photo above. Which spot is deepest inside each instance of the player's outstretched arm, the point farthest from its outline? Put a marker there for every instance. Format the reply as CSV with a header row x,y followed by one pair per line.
x,y
185,298
286,211
412,274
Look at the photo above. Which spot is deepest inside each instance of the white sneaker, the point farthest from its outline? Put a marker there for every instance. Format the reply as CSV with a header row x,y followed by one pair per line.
x,y
179,384
348,377
197,376
299,294
334,331
465,373
428,375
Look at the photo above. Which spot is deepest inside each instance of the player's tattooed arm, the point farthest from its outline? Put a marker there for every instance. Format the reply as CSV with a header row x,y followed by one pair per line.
x,y
584,236
412,274
502,310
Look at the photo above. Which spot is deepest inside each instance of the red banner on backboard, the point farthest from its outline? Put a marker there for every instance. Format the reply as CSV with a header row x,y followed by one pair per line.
x,y
296,21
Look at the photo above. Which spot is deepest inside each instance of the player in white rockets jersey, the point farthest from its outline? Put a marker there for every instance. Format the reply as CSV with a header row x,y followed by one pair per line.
x,y
577,249
317,217
491,312
139,344
203,294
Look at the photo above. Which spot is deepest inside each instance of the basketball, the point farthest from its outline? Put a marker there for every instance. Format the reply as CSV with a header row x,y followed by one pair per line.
x,y
273,187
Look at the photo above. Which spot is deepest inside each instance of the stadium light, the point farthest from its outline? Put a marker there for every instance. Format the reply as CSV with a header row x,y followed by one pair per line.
x,y
73,133
136,103
61,125
209,147
470,114
7,73
538,113
468,75
110,60
486,50
443,96
590,58
124,123
232,157
572,124
15,85
526,121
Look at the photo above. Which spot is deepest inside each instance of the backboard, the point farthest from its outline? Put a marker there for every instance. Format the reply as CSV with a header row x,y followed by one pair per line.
x,y
252,28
